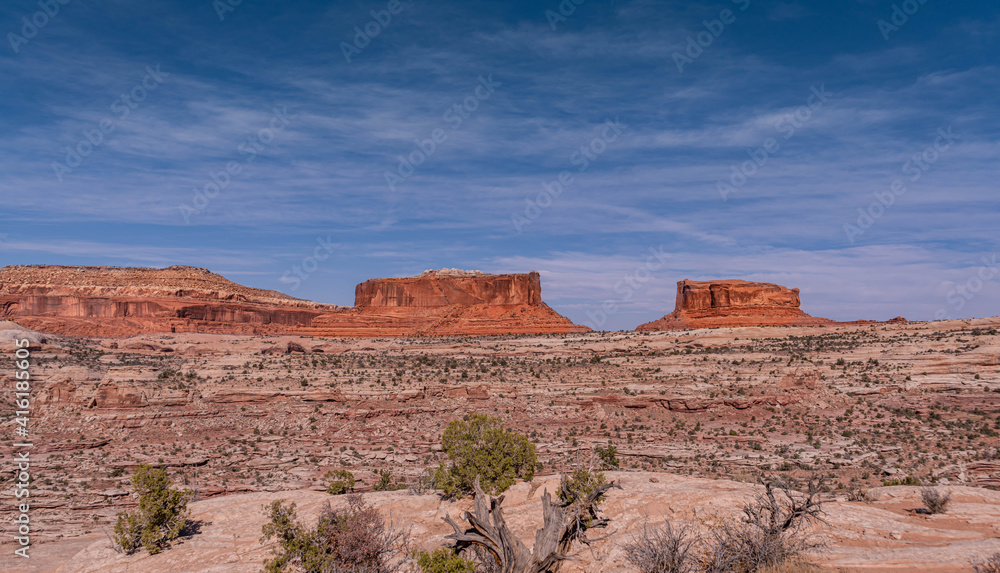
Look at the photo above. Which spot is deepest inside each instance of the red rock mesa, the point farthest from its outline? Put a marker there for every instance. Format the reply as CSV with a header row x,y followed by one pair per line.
x,y
447,302
117,301
725,303
121,301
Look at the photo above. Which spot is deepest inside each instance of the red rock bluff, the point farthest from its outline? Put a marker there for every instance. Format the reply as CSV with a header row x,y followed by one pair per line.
x,y
121,301
447,302
727,303
456,288
124,301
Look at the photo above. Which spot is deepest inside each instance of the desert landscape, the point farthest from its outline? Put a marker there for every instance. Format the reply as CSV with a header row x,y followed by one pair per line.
x,y
266,399
388,286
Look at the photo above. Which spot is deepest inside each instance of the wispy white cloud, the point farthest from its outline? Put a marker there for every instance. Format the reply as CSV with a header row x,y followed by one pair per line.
x,y
324,174
877,282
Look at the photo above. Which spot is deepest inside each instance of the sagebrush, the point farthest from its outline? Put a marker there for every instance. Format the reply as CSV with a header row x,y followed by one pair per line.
x,y
769,538
355,539
935,500
770,533
661,549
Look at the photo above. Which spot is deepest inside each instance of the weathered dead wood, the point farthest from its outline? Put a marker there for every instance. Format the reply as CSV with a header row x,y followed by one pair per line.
x,y
563,523
775,516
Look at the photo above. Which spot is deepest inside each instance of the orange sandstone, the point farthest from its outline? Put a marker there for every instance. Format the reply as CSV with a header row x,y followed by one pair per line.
x,y
123,301
731,303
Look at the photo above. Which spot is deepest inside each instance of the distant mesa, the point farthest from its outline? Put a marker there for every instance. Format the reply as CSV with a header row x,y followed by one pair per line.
x,y
732,303
119,301
450,287
124,301
447,302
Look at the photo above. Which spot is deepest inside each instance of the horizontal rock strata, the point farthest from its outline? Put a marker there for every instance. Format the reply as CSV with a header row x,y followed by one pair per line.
x,y
121,301
730,303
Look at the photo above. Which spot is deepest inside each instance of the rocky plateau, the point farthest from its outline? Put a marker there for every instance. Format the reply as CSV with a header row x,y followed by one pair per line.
x,y
697,417
733,302
245,396
122,301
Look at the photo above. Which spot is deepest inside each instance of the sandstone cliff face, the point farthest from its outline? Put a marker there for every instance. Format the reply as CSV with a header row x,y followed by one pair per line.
x,y
475,320
727,303
447,302
189,283
119,301
438,289
735,295
113,301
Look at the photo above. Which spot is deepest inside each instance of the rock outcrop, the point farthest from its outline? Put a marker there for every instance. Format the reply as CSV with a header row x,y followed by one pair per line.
x,y
878,536
380,405
119,301
728,303
443,288
124,301
448,302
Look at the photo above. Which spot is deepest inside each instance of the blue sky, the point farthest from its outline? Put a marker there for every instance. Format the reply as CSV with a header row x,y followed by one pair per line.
x,y
819,107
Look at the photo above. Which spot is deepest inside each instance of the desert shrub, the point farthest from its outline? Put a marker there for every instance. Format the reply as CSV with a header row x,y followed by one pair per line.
x,y
423,482
608,456
480,446
661,549
579,484
444,561
934,500
160,517
339,482
769,534
989,565
385,482
356,539
739,547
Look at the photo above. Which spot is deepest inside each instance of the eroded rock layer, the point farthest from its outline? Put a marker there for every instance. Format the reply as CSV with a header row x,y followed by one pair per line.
x,y
442,288
119,301
448,302
474,320
730,303
269,416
